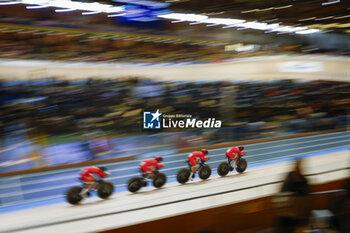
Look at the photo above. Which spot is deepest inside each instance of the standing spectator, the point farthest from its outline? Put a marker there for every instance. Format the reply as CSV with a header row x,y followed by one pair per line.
x,y
296,182
298,188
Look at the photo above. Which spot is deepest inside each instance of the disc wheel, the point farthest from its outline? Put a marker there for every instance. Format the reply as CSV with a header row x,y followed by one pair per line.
x,y
104,190
223,169
159,180
73,195
183,175
135,184
204,172
241,166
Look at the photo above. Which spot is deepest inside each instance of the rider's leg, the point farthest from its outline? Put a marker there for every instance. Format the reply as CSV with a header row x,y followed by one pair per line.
x,y
152,175
92,182
94,186
84,192
229,161
235,162
148,175
193,172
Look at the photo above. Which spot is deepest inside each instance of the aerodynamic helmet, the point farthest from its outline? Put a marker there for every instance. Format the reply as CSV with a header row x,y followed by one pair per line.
x,y
104,169
158,158
204,151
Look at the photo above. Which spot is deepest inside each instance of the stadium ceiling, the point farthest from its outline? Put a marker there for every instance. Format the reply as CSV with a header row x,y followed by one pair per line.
x,y
326,15
274,16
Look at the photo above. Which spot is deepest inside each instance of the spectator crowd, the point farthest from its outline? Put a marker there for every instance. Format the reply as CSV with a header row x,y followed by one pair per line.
x,y
61,107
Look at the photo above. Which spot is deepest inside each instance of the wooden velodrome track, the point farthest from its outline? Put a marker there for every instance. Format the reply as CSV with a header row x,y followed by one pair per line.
x,y
124,209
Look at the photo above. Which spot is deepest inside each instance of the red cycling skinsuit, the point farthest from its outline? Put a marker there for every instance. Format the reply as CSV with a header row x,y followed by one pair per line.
x,y
91,174
194,158
234,151
149,165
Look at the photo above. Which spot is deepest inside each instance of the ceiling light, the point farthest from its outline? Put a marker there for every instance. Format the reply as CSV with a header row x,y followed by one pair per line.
x,y
117,15
8,3
216,13
229,26
223,21
331,2
324,18
306,19
36,7
64,10
193,23
42,33
266,9
342,17
75,35
271,20
283,7
69,4
26,32
249,11
308,31
240,24
14,30
57,34
184,17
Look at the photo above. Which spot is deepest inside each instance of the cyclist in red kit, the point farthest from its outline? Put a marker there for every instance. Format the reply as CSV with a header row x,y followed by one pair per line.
x,y
233,153
194,158
91,176
149,166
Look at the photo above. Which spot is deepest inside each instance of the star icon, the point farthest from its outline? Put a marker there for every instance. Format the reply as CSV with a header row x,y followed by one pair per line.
x,y
156,115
